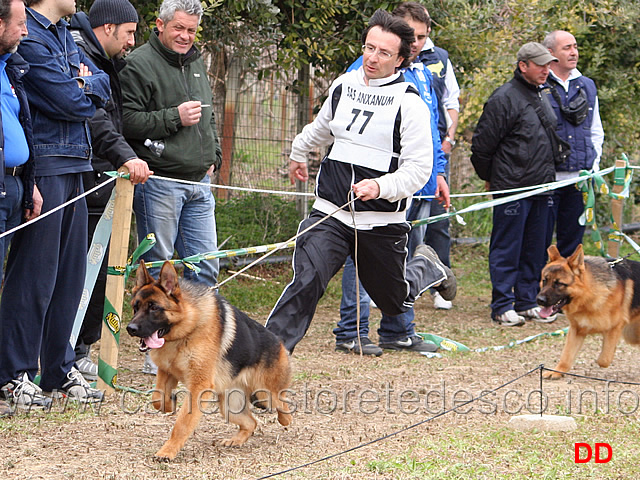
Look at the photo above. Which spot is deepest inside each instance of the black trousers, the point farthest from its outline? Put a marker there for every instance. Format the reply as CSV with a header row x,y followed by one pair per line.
x,y
391,281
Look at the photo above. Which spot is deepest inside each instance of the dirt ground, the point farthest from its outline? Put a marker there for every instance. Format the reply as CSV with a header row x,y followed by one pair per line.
x,y
342,401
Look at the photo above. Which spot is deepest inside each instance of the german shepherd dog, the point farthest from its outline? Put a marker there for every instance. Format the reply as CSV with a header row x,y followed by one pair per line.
x,y
597,296
217,352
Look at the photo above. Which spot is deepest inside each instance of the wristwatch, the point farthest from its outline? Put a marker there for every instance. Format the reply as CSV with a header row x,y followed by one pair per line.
x,y
450,140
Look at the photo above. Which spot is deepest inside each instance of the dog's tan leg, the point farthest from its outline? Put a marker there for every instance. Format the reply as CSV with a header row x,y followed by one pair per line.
x,y
610,341
284,413
571,348
235,408
161,397
187,421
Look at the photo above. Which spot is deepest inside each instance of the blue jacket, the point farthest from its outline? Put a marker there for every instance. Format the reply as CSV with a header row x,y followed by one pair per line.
x,y
583,152
16,68
437,60
422,79
60,110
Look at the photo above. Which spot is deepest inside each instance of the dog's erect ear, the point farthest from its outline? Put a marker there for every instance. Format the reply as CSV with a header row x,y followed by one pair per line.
x,y
554,253
169,279
576,260
142,275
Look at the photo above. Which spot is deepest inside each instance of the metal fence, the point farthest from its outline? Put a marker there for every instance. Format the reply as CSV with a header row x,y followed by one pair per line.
x,y
258,119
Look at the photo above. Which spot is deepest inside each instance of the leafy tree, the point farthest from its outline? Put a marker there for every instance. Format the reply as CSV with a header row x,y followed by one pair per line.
x,y
483,36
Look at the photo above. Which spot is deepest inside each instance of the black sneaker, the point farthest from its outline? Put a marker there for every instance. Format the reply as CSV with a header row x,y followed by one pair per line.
x,y
368,347
414,344
448,287
78,389
24,394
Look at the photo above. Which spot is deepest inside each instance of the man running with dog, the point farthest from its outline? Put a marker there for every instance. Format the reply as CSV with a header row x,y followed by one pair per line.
x,y
375,123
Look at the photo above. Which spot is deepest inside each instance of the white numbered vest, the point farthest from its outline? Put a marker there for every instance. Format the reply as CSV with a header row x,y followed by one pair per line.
x,y
364,122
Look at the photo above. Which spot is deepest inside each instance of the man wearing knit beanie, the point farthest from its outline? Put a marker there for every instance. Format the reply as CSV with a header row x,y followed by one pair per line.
x,y
104,35
112,11
108,18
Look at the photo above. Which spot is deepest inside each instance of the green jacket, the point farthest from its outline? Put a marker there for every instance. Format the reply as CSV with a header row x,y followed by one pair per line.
x,y
154,82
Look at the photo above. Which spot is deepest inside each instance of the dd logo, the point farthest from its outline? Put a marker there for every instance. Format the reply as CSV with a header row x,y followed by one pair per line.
x,y
592,452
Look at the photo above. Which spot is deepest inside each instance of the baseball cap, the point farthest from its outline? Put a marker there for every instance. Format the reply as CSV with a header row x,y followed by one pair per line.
x,y
536,52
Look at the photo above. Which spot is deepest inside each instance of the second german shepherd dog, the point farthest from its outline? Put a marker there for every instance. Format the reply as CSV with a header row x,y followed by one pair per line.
x,y
217,352
597,296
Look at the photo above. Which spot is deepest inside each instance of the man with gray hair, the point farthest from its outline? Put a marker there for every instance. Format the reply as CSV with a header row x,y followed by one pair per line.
x,y
167,103
574,98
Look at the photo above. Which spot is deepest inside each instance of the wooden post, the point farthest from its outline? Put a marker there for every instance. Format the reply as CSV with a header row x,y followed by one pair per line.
x,y
114,297
617,206
227,139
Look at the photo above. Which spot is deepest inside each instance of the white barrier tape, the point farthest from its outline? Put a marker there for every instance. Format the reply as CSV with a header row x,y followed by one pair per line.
x,y
59,207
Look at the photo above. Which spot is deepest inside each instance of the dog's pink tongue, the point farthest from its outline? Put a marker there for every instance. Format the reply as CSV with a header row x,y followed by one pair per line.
x,y
154,341
544,312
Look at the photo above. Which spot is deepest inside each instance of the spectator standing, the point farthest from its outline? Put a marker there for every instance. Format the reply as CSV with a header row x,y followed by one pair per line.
x,y
19,197
575,101
104,35
447,91
379,157
64,89
511,149
167,98
398,332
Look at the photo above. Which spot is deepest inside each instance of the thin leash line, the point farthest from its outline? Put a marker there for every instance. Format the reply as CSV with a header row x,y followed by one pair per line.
x,y
352,200
59,207
402,430
229,187
577,375
281,245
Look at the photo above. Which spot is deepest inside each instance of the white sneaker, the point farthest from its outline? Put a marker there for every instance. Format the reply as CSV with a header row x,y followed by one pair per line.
x,y
24,394
534,314
78,389
440,303
509,319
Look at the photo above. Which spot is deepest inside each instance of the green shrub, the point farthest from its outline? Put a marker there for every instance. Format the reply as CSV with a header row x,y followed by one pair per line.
x,y
255,219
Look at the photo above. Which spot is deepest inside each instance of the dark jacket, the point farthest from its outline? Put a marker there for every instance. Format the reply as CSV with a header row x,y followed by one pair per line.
x,y
510,147
154,82
110,149
59,109
16,68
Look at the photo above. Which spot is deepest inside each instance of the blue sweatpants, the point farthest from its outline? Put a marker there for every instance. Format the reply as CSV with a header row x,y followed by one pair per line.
x,y
392,327
568,205
43,286
517,252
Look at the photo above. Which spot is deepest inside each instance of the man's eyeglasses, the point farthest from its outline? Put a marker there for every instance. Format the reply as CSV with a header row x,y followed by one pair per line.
x,y
382,54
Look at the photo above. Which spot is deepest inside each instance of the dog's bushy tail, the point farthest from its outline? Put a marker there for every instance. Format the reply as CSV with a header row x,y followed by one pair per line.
x,y
631,333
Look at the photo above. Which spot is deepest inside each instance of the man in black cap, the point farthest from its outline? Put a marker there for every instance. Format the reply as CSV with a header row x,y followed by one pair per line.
x,y
105,34
511,148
